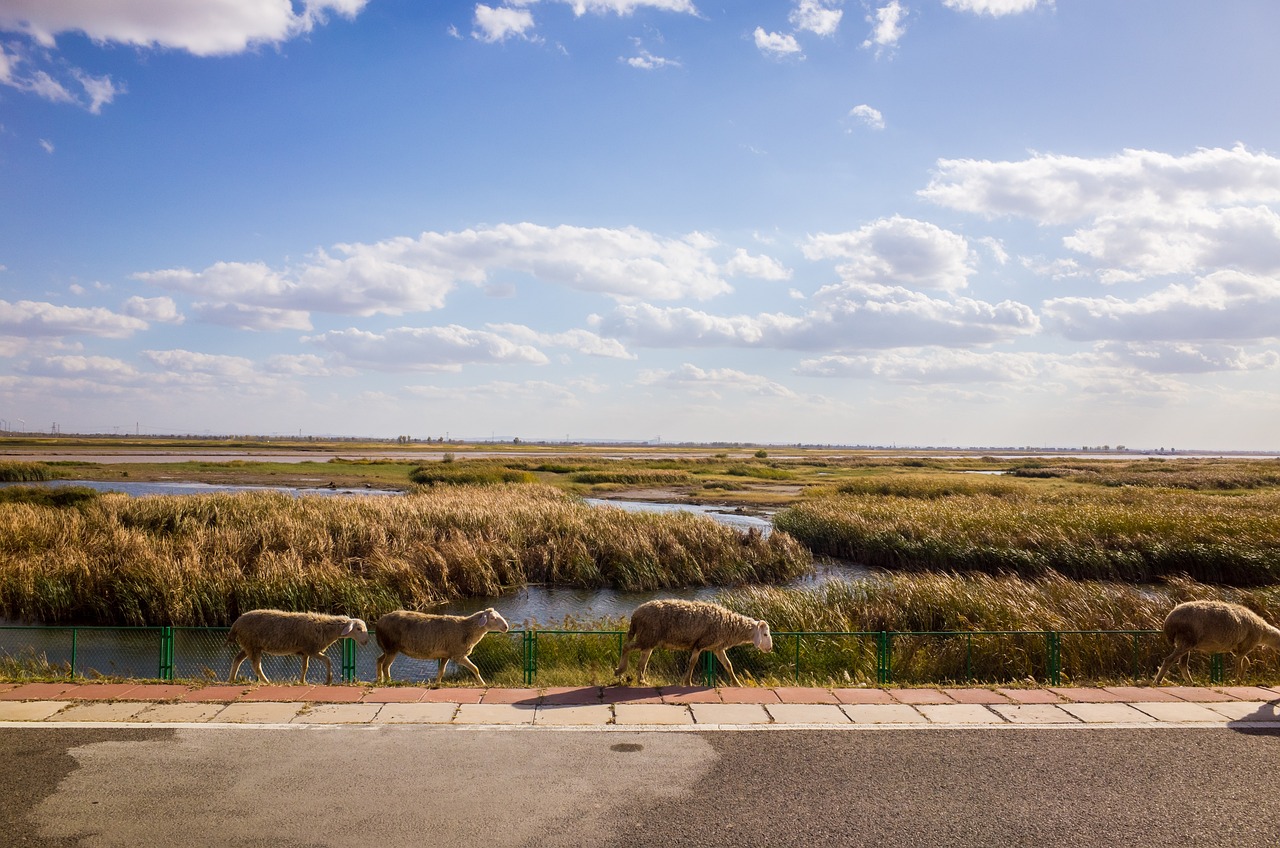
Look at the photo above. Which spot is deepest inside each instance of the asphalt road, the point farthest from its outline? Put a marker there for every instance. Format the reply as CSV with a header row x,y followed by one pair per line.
x,y
415,785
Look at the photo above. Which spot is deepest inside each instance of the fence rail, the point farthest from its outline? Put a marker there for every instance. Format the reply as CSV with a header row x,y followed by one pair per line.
x,y
529,656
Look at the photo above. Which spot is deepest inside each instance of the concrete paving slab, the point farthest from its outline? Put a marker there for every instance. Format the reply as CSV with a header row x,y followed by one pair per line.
x,y
30,710
337,714
222,694
266,712
1247,711
175,713
1178,711
100,691
1107,713
37,691
920,696
975,696
101,711
510,696
1030,696
1085,695
631,695
429,713
1249,693
689,695
1144,694
649,713
452,695
392,695
158,692
807,713
729,714
959,714
575,696
583,714
300,692
1034,714
335,694
862,696
748,695
1198,694
495,714
805,695
883,714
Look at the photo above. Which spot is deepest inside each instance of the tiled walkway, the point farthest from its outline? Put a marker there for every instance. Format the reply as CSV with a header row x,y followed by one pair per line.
x,y
634,708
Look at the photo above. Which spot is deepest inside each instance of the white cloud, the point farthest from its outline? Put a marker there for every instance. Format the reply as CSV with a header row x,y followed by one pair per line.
x,y
776,43
1222,306
98,368
868,115
303,365
206,28
30,318
817,16
583,341
47,145
193,363
994,8
241,316
929,365
887,26
1186,358
424,348
493,25
539,392
156,309
99,90
744,264
711,383
626,7
898,251
646,61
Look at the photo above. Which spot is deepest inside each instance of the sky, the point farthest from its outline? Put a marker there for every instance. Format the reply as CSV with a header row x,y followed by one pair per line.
x,y
894,222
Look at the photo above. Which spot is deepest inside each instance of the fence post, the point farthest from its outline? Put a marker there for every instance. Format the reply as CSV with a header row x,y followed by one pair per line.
x,y
166,654
708,669
530,656
73,652
1054,640
348,660
797,659
884,669
1215,668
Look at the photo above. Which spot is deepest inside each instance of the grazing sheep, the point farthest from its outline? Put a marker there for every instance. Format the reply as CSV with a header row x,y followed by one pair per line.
x,y
425,636
695,626
303,634
1213,627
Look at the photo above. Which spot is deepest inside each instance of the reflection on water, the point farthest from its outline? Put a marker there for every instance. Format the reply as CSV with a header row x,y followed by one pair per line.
x,y
139,489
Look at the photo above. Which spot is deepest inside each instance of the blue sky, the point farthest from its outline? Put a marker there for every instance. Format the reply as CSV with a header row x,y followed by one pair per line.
x,y
910,222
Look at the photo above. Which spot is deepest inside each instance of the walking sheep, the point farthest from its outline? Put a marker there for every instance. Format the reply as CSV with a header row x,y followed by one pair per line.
x,y
303,634
1213,627
425,636
695,626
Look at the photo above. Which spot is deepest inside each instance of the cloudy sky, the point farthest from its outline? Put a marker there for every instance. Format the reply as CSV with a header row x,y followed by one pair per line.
x,y
910,222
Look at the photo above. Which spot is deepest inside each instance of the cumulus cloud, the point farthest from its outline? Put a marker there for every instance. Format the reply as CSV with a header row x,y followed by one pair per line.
x,y
887,27
155,309
208,28
994,8
820,17
493,25
1187,358
583,341
867,115
898,251
98,368
31,318
424,348
928,366
646,61
193,363
743,264
1222,306
776,43
713,382
402,275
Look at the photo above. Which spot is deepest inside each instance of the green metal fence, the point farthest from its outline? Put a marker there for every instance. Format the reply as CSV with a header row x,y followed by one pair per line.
x,y
575,657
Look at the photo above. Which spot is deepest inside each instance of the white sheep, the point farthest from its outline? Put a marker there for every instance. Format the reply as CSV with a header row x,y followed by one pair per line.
x,y
302,634
425,636
694,626
1213,627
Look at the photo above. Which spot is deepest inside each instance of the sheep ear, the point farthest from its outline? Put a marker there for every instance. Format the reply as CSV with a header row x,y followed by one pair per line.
x,y
349,626
484,619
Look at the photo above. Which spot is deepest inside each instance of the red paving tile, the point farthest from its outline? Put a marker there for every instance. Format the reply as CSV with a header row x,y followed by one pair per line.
x,y
215,694
748,695
393,695
571,696
1141,694
632,695
862,696
1244,693
157,692
1031,696
689,695
451,696
100,691
1197,694
336,694
1086,695
510,696
975,696
920,696
804,695
5,687
37,691
271,692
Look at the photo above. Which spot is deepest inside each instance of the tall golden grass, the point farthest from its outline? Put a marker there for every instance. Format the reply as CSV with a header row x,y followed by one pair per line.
x,y
203,559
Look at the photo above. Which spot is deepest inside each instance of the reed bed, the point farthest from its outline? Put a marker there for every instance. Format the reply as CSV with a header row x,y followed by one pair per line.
x,y
1196,474
204,559
1135,535
24,472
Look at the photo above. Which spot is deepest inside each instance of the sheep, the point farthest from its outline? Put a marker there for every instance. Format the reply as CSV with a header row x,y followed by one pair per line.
x,y
425,636
303,634
695,626
1213,627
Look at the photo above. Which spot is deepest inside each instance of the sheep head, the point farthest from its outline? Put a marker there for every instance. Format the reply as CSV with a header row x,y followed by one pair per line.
x,y
356,629
762,638
491,619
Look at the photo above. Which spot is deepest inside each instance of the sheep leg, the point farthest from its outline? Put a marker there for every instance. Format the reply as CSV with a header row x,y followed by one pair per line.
x,y
328,667
302,678
255,659
626,655
384,665
441,665
728,666
693,663
235,665
466,663
643,666
1180,652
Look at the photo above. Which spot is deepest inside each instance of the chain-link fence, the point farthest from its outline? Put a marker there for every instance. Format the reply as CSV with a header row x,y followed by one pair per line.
x,y
573,657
